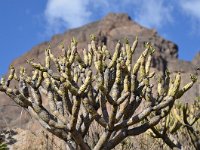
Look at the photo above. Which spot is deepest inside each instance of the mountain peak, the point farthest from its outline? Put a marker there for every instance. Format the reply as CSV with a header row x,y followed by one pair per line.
x,y
117,17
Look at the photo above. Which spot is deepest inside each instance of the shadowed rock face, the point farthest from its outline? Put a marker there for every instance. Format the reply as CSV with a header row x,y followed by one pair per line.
x,y
109,30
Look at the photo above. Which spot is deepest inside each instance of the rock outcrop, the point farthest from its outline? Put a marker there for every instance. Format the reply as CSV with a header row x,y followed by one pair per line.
x,y
109,30
196,60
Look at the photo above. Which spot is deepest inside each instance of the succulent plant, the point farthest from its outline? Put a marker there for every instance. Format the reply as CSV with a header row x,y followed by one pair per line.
x,y
95,89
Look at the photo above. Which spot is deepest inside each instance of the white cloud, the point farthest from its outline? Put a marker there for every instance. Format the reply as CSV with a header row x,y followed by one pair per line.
x,y
154,13
66,13
191,8
74,13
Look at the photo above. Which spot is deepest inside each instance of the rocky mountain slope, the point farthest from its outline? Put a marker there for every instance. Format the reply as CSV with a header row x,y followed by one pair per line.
x,y
109,30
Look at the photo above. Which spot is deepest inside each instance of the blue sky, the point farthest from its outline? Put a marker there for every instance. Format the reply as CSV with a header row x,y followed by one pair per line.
x,y
26,23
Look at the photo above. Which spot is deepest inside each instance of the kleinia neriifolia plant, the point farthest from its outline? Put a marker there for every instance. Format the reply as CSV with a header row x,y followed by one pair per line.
x,y
95,90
